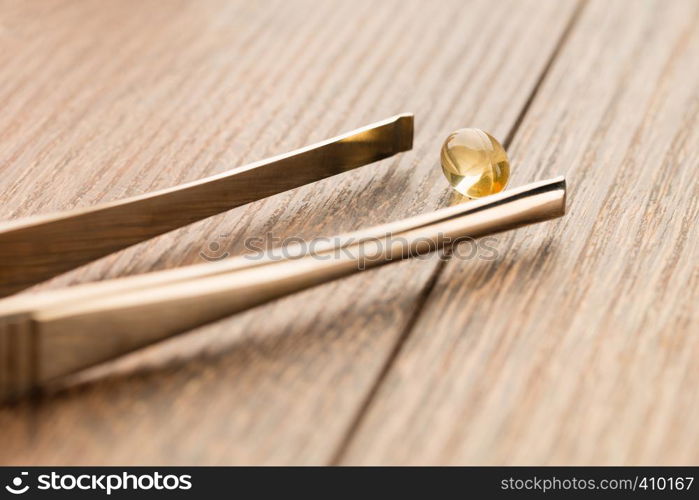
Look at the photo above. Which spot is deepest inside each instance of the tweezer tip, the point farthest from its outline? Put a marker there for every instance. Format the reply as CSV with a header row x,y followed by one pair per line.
x,y
404,132
558,184
562,184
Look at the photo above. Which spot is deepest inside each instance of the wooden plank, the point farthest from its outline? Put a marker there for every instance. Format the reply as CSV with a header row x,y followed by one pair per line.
x,y
578,344
102,100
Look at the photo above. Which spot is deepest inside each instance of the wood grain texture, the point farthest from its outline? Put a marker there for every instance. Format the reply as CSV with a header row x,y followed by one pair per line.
x,y
579,344
107,99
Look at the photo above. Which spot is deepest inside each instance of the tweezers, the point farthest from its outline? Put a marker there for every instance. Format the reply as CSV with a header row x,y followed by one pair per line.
x,y
47,335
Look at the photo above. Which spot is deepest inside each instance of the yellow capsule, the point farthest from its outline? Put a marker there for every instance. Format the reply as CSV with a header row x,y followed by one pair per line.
x,y
474,163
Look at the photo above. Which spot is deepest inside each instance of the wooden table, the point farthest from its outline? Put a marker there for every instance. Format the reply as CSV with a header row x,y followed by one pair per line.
x,y
575,342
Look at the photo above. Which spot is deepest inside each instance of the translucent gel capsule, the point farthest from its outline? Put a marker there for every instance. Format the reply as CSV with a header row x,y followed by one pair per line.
x,y
474,163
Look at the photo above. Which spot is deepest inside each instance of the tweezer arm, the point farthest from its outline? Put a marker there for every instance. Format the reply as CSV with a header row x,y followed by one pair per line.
x,y
46,336
38,248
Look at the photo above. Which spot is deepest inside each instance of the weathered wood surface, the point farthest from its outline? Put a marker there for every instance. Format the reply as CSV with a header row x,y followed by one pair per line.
x,y
580,343
531,357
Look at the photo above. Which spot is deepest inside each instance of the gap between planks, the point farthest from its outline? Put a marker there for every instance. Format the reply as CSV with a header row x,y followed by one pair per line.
x,y
338,456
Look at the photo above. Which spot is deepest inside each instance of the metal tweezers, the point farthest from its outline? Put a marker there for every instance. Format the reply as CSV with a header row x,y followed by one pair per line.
x,y
44,336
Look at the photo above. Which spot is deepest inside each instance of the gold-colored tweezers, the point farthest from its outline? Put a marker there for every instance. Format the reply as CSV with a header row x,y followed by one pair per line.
x,y
47,335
